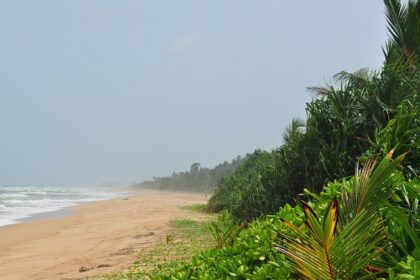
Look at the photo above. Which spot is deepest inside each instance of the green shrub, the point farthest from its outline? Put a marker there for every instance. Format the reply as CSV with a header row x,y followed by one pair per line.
x,y
253,254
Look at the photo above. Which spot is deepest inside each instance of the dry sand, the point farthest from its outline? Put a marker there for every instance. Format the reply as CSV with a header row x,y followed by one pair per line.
x,y
105,236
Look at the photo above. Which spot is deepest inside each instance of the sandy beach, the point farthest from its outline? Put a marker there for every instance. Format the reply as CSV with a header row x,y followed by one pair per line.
x,y
103,237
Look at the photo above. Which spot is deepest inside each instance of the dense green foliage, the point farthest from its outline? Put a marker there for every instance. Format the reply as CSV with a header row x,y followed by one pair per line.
x,y
198,179
365,226
363,113
402,133
349,238
245,184
253,254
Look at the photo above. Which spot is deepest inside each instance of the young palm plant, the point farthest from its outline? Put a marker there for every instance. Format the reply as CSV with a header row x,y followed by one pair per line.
x,y
346,240
224,235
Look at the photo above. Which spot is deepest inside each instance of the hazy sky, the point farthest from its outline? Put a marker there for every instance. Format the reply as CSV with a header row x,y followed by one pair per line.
x,y
100,91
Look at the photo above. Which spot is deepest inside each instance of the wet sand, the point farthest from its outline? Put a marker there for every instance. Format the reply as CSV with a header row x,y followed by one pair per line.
x,y
101,237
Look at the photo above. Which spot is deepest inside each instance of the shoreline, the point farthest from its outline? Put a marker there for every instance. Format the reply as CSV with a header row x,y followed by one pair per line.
x,y
68,211
102,236
21,208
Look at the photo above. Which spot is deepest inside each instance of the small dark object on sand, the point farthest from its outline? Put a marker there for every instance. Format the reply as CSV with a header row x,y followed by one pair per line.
x,y
144,235
84,268
105,265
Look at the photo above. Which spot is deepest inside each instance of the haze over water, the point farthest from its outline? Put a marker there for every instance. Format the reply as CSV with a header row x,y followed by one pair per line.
x,y
120,91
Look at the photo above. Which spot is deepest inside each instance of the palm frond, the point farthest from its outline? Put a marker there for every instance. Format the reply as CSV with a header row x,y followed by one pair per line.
x,y
403,26
295,127
371,188
325,254
395,15
344,248
359,79
320,90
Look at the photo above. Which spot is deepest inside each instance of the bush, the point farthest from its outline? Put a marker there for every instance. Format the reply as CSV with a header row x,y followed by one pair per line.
x,y
253,253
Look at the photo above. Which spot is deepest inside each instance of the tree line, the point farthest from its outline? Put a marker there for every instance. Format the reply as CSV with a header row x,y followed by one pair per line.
x,y
197,179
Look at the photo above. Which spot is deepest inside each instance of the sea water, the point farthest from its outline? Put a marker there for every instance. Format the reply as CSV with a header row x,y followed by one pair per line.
x,y
18,203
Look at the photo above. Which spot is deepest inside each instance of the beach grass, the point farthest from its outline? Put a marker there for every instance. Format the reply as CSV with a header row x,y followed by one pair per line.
x,y
187,238
197,207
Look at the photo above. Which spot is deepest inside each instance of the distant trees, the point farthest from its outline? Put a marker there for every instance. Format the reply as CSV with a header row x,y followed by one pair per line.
x,y
195,167
199,178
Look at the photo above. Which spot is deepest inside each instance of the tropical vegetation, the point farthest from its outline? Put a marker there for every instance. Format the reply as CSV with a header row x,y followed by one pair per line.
x,y
363,114
301,211
356,228
198,179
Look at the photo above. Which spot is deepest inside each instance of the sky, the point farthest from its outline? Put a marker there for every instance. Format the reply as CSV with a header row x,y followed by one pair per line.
x,y
119,91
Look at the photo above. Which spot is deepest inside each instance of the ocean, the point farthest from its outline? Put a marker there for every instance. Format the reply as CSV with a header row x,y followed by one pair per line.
x,y
19,203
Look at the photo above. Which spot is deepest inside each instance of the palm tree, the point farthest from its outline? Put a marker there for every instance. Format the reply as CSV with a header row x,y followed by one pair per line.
x,y
296,127
346,114
404,28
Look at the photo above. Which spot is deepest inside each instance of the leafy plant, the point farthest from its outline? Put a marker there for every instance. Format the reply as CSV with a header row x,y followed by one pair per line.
x,y
345,241
224,235
408,270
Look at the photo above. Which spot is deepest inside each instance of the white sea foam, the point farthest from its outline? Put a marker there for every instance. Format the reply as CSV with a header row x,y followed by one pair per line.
x,y
17,203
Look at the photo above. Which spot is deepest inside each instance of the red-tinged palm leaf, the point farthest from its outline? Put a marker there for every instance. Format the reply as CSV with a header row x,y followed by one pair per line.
x,y
326,251
312,221
300,234
372,187
329,223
